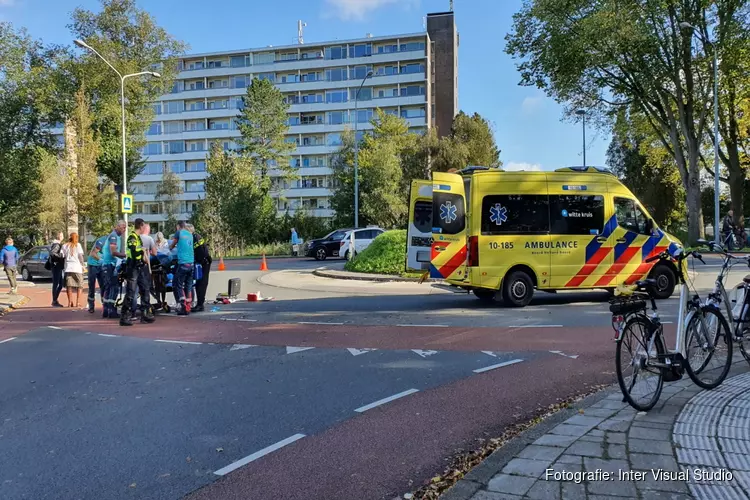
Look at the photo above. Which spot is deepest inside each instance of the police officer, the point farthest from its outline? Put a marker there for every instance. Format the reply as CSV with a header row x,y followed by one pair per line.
x,y
138,277
111,251
202,257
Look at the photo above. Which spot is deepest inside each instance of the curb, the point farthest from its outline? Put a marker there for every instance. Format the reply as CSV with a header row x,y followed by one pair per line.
x,y
322,272
480,475
6,307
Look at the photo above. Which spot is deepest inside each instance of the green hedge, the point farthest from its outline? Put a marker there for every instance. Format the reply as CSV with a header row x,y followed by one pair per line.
x,y
385,255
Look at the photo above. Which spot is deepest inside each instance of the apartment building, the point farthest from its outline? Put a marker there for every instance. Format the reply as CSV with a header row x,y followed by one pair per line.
x,y
319,81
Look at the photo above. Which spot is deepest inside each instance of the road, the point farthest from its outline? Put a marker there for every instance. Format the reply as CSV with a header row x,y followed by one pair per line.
x,y
331,390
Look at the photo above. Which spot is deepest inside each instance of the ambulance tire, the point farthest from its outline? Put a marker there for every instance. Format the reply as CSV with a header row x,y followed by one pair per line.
x,y
665,281
518,289
485,296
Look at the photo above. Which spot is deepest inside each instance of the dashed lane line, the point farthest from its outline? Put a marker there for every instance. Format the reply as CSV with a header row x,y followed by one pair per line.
x,y
423,326
7,340
535,326
383,401
318,323
258,454
499,365
178,342
54,327
107,335
292,350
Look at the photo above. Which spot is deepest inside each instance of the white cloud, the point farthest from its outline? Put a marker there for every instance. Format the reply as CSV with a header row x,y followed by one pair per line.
x,y
536,167
7,3
358,9
532,104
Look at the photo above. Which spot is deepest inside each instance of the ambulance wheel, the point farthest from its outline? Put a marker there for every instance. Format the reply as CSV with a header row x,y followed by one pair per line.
x,y
665,281
518,289
484,296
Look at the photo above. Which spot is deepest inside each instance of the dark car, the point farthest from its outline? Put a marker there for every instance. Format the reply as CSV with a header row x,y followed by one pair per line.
x,y
32,263
327,246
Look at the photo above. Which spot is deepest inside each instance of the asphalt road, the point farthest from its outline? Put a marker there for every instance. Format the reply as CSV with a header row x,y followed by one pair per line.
x,y
272,390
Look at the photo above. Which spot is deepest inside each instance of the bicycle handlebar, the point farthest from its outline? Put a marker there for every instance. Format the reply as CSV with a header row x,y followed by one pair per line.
x,y
665,255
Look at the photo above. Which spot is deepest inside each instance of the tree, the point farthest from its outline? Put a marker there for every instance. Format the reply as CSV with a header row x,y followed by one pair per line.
x,y
131,41
608,55
342,167
168,192
263,125
51,205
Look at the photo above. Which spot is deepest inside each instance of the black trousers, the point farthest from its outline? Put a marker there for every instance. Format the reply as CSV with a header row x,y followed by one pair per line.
x,y
202,284
138,279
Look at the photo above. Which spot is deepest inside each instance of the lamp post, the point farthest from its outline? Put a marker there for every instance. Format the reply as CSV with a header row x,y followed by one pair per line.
x,y
86,46
356,152
582,113
717,187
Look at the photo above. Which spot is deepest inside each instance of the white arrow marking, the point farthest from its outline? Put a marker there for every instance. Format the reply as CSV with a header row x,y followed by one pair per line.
x,y
422,353
572,356
490,353
357,352
237,347
292,350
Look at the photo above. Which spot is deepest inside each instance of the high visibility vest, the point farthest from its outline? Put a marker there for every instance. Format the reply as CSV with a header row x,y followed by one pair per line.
x,y
134,249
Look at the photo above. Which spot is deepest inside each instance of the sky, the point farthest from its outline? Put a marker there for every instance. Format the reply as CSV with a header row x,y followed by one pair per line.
x,y
530,128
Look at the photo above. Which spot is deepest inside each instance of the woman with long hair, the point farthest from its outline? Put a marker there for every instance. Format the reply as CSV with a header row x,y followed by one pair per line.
x,y
73,254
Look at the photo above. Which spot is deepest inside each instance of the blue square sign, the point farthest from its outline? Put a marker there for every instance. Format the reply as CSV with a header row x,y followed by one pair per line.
x,y
126,203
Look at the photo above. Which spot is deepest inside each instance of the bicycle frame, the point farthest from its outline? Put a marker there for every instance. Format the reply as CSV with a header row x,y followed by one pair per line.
x,y
719,294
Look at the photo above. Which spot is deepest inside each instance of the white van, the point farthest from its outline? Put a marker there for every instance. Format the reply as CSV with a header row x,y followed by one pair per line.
x,y
362,240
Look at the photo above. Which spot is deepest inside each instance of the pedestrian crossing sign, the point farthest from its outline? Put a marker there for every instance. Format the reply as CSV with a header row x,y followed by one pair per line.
x,y
126,204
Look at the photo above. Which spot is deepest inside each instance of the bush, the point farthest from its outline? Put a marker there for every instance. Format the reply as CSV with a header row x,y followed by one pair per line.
x,y
277,248
385,255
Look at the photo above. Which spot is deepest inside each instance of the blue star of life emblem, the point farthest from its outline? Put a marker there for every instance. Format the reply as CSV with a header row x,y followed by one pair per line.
x,y
448,212
498,214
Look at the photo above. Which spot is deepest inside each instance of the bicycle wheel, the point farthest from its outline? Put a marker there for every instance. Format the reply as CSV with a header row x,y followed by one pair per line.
x,y
708,367
743,350
640,382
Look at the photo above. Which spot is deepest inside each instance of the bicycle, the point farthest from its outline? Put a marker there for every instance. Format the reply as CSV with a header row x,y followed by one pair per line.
x,y
635,330
738,310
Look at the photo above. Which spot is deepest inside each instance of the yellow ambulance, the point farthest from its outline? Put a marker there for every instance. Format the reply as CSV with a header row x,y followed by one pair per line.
x,y
514,232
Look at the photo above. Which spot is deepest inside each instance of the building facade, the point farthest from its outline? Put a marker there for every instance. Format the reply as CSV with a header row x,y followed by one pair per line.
x,y
319,81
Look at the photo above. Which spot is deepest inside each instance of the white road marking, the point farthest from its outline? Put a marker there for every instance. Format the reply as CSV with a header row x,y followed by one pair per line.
x,y
499,365
424,326
667,322
248,320
573,356
385,400
106,335
258,454
237,347
229,319
54,327
422,353
317,323
357,352
178,342
535,326
292,350
7,340
490,353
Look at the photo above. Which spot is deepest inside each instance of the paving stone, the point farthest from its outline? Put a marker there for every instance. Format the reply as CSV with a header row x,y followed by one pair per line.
x,y
648,462
651,425
544,490
734,445
695,429
591,464
570,459
584,420
650,434
616,451
563,467
570,430
599,412
664,495
610,404
742,478
586,448
535,452
700,457
592,439
492,495
694,478
595,432
656,417
651,484
555,440
573,491
515,485
526,467
615,425
653,447
613,488
710,491
695,442
615,437
737,462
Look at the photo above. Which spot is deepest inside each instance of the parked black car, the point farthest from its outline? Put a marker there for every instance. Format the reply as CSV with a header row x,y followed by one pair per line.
x,y
326,247
32,263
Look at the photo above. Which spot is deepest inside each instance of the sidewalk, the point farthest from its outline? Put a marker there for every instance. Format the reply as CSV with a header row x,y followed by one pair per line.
x,y
690,430
8,301
309,281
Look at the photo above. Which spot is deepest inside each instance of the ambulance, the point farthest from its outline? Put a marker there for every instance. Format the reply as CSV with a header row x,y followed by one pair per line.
x,y
514,232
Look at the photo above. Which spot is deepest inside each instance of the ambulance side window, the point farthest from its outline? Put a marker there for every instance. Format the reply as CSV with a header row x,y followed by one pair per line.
x,y
576,214
515,214
449,213
630,216
423,216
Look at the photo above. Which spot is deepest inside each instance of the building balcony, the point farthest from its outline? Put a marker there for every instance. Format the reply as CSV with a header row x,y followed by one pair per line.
x,y
379,102
314,212
296,193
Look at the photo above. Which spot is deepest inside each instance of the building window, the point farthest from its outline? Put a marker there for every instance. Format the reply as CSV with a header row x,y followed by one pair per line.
x,y
239,82
172,127
215,64
408,69
293,120
336,74
291,78
387,49
152,148
365,94
336,96
174,107
197,146
152,168
363,115
264,58
362,50
177,167
359,72
413,113
157,108
310,77
312,98
217,84
154,129
271,77
239,61
407,47
222,104
386,71
337,117
196,106
412,90
195,86
335,53
334,139
177,87
195,186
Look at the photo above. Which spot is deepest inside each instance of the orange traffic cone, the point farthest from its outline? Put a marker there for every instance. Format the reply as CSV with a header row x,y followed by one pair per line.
x,y
263,265
222,267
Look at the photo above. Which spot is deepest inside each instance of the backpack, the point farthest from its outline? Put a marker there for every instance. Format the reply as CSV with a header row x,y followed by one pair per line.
x,y
55,256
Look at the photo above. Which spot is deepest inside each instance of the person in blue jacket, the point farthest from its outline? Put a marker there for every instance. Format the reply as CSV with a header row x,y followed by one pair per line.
x,y
9,257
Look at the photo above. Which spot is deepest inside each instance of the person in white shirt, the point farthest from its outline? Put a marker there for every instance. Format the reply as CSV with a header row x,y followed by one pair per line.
x,y
73,255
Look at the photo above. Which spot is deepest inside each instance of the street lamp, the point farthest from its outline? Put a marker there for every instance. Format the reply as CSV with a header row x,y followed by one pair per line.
x,y
86,46
717,216
356,152
582,113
